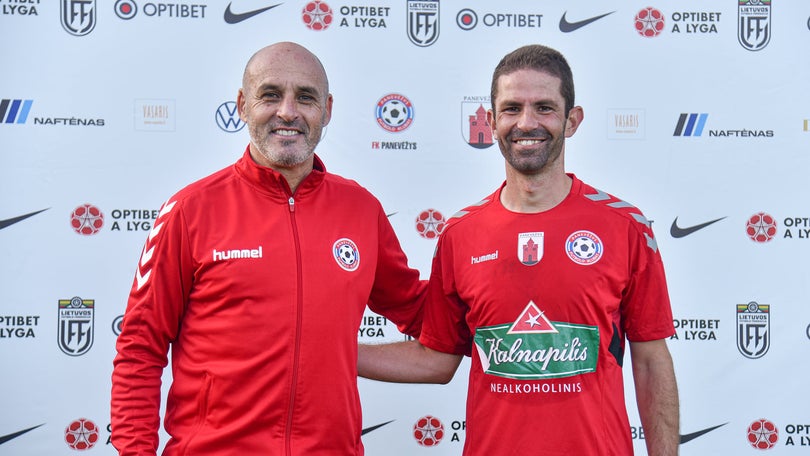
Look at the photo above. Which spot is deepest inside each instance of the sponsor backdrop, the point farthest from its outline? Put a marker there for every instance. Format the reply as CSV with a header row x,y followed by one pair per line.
x,y
696,111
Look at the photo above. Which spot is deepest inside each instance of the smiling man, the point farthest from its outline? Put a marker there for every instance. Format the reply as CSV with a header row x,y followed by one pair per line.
x,y
256,279
541,283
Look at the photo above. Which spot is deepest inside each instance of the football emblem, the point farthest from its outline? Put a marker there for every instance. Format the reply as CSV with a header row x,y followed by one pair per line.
x,y
346,254
584,247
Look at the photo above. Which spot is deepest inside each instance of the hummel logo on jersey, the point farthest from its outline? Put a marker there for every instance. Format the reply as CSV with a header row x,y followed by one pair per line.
x,y
233,18
234,254
567,27
690,124
678,232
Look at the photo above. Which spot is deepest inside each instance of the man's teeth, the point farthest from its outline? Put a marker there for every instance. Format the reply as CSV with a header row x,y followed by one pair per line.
x,y
527,142
286,132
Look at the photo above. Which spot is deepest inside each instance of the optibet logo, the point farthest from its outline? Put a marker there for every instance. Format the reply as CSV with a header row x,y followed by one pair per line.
x,y
317,15
81,434
428,431
762,434
761,227
87,219
430,223
649,22
753,329
15,111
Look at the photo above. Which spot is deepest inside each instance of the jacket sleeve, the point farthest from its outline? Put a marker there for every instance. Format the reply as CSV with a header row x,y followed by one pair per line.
x,y
151,323
398,294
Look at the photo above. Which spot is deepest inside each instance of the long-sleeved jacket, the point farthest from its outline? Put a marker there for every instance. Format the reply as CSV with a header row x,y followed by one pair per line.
x,y
259,293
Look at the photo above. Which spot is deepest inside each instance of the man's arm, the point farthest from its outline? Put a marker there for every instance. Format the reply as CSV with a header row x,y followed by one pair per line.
x,y
406,362
657,396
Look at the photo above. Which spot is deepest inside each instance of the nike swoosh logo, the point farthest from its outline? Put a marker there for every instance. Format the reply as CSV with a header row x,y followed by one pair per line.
x,y
568,27
687,437
369,429
232,18
6,438
8,222
389,215
678,232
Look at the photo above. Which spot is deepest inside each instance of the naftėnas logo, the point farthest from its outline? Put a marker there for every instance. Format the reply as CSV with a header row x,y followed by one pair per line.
x,y
17,110
694,125
75,325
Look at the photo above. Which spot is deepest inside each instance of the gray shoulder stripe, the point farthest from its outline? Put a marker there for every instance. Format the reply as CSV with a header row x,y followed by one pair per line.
x,y
640,218
598,196
651,242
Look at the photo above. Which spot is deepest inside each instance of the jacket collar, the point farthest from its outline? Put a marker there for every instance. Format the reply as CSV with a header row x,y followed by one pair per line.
x,y
271,182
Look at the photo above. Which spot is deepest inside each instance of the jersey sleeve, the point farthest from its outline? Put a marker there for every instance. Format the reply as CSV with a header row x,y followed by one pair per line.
x,y
445,326
646,309
152,319
398,294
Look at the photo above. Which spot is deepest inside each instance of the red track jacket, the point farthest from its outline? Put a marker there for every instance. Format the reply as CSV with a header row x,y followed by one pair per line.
x,y
260,294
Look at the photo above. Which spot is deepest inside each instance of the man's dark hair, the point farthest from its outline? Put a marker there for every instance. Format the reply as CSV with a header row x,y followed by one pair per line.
x,y
540,58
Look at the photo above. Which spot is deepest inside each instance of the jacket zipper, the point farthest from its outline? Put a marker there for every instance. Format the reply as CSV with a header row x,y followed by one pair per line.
x,y
298,323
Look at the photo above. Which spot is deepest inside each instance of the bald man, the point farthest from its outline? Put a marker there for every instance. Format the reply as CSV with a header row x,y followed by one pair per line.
x,y
256,279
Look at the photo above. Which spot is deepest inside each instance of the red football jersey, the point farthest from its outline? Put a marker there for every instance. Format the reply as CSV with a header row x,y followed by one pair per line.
x,y
543,303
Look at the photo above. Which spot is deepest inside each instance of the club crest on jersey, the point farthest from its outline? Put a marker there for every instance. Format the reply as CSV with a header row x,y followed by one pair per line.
x,y
530,248
584,247
346,254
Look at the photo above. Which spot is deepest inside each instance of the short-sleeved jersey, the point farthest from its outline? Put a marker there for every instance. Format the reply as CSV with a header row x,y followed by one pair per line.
x,y
543,304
